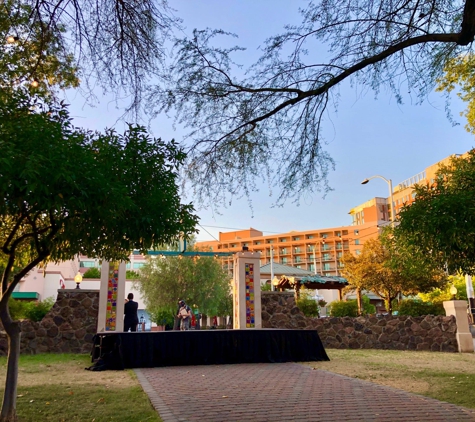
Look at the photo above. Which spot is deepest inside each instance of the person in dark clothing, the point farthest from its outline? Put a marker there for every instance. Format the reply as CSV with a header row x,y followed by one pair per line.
x,y
131,318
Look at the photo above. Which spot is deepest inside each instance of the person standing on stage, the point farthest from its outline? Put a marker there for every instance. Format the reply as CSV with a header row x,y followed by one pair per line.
x,y
184,313
131,319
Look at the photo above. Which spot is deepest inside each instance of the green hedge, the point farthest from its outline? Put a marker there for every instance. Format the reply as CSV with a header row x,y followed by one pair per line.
x,y
413,307
308,306
350,308
34,311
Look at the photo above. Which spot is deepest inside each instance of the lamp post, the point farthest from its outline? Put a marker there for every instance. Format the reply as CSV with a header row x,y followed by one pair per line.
x,y
453,291
390,185
78,279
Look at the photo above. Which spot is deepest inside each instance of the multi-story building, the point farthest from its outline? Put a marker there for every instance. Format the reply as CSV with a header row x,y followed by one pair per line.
x,y
319,251
378,210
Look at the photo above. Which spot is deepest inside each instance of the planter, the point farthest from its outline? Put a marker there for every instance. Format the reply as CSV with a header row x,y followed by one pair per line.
x,y
158,328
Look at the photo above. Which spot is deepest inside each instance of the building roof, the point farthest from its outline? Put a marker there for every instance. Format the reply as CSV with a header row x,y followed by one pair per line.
x,y
280,269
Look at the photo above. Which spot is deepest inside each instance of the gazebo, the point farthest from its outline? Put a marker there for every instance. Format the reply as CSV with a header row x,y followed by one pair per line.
x,y
311,282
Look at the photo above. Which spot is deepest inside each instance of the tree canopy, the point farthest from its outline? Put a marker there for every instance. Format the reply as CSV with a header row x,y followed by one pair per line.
x,y
265,122
117,45
198,281
67,191
387,269
459,75
441,222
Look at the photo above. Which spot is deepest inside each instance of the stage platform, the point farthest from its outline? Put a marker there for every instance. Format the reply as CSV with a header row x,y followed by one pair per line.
x,y
206,347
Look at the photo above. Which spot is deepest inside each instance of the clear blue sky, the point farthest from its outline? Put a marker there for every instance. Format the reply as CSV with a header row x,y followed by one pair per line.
x,y
366,136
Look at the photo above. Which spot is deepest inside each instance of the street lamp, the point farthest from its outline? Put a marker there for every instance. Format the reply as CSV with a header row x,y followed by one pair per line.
x,y
453,291
78,279
390,185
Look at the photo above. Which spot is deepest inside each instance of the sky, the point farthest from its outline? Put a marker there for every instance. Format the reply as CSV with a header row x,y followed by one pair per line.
x,y
366,136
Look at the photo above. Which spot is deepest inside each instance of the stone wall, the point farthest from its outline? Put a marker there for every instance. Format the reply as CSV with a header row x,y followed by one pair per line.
x,y
67,328
433,333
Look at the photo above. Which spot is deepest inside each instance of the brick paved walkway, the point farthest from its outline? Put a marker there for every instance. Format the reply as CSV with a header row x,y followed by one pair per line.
x,y
283,392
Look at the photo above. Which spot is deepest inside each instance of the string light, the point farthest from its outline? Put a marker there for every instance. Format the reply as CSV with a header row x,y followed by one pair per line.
x,y
11,39
35,83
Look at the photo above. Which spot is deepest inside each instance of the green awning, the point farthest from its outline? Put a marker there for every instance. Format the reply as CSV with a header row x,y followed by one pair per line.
x,y
26,295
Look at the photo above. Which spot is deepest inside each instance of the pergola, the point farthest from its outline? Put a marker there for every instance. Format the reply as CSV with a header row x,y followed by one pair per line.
x,y
311,282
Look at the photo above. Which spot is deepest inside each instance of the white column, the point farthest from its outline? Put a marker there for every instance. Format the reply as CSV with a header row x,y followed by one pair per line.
x,y
247,291
111,297
458,308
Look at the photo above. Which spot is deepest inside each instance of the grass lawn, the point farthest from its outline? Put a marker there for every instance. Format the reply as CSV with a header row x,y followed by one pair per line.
x,y
448,377
55,387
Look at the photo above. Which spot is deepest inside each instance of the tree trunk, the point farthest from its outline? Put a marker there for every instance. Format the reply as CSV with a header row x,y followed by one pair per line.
x,y
12,329
359,301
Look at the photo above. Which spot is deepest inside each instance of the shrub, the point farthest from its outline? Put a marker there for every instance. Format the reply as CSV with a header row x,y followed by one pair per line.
x,y
17,308
92,273
413,307
341,308
161,316
132,275
308,306
35,311
350,308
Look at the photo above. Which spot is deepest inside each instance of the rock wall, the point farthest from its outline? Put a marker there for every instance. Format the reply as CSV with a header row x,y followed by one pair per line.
x,y
67,328
432,333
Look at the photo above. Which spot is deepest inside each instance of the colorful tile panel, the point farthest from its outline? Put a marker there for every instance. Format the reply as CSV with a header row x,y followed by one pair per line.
x,y
250,316
112,287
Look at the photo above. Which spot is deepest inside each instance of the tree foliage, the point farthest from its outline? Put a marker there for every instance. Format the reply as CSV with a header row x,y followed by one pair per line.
x,y
459,75
116,44
268,123
30,54
387,270
201,282
67,191
441,222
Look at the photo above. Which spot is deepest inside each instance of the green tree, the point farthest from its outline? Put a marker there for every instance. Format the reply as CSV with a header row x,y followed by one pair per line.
x,y
459,75
92,273
66,192
201,282
441,222
115,44
386,270
30,55
267,122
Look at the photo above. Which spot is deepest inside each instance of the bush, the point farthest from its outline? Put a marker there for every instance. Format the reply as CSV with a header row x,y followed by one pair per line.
x,y
308,306
92,273
341,308
132,275
350,308
413,307
34,311
161,316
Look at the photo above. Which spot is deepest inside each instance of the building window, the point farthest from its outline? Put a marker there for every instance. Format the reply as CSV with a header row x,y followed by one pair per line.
x,y
357,241
297,250
311,267
257,242
326,267
296,238
298,259
324,235
283,239
87,264
356,232
283,250
326,257
310,236
284,260
357,252
298,266
270,241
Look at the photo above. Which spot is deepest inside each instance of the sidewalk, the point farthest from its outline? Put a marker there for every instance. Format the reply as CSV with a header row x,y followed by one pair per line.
x,y
283,392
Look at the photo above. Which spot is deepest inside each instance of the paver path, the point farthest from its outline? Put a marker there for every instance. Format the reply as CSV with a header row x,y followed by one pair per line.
x,y
283,392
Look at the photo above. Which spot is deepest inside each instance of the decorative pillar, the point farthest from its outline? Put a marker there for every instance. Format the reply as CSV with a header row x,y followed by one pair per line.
x,y
247,290
458,308
111,297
